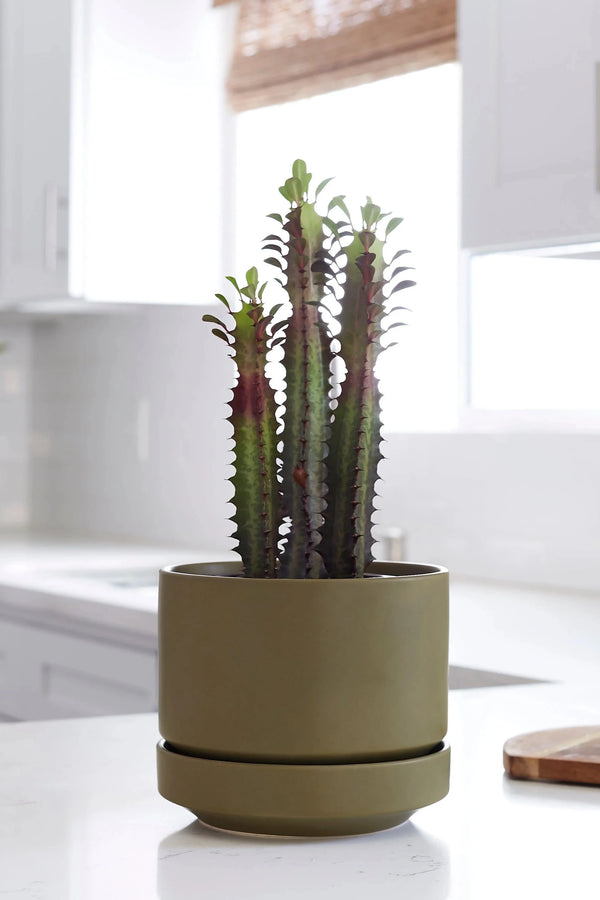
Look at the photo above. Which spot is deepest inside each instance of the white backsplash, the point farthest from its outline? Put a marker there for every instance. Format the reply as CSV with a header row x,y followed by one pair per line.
x,y
14,424
129,439
518,507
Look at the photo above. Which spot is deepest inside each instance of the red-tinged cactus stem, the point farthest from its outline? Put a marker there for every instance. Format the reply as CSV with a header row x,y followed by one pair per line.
x,y
307,394
265,473
368,450
300,474
355,434
256,489
310,542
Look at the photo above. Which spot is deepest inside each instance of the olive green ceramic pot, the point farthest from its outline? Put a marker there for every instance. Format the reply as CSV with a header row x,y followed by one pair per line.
x,y
314,707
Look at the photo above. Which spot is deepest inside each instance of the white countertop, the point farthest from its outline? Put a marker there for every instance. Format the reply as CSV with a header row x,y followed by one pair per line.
x,y
534,632
61,576
80,819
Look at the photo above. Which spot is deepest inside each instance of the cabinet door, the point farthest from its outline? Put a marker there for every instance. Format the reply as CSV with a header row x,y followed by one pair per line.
x,y
529,112
156,165
45,674
35,69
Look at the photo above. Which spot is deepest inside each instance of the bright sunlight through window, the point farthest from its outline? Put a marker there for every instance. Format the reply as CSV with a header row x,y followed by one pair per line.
x,y
535,321
398,141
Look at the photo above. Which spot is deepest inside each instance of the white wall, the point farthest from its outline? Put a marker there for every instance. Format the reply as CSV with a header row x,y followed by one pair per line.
x,y
14,419
507,507
518,507
129,437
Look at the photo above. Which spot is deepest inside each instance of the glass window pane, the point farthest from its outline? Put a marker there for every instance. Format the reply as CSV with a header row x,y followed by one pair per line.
x,y
398,141
535,328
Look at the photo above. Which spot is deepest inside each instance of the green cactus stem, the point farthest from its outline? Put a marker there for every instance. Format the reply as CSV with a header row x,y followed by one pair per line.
x,y
307,358
252,415
355,441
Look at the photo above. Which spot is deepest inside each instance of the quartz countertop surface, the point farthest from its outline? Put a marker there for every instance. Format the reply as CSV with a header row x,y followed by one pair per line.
x,y
102,582
543,633
80,819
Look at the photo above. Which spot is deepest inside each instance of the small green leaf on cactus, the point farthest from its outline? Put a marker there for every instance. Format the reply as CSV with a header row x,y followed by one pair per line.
x,y
399,269
370,213
396,255
223,300
292,190
391,225
401,286
301,175
392,327
322,186
220,334
339,202
214,320
232,281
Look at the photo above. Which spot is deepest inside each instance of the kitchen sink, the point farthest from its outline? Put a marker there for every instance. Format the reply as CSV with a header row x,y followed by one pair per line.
x,y
461,678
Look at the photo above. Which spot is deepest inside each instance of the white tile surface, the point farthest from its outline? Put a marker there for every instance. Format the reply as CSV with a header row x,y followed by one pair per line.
x,y
129,417
15,409
80,819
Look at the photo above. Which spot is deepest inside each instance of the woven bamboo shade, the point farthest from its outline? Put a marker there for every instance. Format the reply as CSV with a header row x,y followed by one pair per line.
x,y
287,49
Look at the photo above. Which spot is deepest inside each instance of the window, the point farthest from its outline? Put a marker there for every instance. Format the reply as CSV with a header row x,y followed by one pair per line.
x,y
398,140
534,320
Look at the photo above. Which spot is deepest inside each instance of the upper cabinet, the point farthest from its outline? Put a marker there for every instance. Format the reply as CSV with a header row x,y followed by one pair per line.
x,y
113,149
35,89
530,113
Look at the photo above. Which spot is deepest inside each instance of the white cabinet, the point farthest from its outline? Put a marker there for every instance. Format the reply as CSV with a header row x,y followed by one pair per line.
x,y
113,149
46,674
35,99
530,142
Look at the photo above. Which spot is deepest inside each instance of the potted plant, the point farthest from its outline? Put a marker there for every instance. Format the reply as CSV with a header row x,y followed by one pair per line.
x,y
304,691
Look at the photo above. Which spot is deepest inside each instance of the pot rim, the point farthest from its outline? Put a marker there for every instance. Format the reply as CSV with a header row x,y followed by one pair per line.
x,y
416,571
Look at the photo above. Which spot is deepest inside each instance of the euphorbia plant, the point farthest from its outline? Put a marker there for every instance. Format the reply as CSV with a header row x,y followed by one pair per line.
x,y
305,470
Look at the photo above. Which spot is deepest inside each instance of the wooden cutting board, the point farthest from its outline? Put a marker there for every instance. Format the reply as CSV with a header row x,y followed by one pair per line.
x,y
562,754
